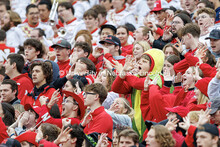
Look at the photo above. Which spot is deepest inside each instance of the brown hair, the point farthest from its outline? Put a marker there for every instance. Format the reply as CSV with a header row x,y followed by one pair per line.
x,y
110,78
209,11
14,17
190,28
100,10
50,131
130,133
172,59
146,30
163,136
46,70
98,89
86,34
174,50
91,12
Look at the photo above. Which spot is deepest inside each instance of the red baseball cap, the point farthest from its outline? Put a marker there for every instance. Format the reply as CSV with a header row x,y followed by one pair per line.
x,y
159,5
79,99
27,136
182,111
37,109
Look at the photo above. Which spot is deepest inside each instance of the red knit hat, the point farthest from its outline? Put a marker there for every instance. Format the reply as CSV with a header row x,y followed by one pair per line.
x,y
182,111
202,85
27,136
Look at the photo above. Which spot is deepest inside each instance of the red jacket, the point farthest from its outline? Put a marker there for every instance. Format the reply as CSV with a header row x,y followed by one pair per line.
x,y
101,122
24,83
5,51
127,50
64,68
193,106
109,57
183,65
207,70
3,129
48,92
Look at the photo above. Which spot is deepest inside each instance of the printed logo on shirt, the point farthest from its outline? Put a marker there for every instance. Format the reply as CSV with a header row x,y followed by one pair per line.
x,y
4,54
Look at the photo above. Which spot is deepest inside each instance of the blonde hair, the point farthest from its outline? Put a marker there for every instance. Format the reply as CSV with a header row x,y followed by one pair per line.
x,y
130,110
110,78
202,99
193,115
144,44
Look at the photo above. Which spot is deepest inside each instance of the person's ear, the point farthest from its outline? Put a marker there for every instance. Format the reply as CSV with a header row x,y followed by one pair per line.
x,y
125,111
73,140
46,137
86,54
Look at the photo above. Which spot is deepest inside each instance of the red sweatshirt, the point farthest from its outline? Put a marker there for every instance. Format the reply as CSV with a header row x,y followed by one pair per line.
x,y
101,122
48,92
64,68
183,65
3,129
24,83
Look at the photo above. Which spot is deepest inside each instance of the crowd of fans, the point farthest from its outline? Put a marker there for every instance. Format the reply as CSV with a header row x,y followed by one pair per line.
x,y
115,73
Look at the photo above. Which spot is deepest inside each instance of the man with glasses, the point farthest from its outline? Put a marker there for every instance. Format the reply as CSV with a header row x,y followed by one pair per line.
x,y
96,120
24,29
63,50
73,109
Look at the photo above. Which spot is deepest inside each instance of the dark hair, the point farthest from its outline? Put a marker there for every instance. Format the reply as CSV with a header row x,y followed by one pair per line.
x,y
46,70
207,3
100,10
89,64
125,27
85,46
77,132
74,81
6,3
184,17
29,7
98,89
54,111
14,86
91,12
50,130
130,27
18,60
211,58
2,35
67,5
46,2
41,32
9,114
37,45
192,29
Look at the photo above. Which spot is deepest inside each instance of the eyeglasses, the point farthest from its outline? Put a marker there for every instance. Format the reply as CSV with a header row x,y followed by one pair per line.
x,y
176,22
86,93
69,101
202,16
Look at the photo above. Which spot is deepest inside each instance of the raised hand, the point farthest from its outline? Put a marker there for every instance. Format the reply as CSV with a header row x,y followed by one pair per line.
x,y
108,64
167,75
178,46
204,117
172,124
167,34
178,78
54,99
185,124
146,83
87,119
103,140
63,136
97,52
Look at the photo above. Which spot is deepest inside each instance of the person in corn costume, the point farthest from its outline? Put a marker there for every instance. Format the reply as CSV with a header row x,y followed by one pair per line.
x,y
151,62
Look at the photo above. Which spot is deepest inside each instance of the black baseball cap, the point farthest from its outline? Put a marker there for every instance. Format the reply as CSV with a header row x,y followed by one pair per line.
x,y
62,43
11,142
113,28
112,40
214,34
209,128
